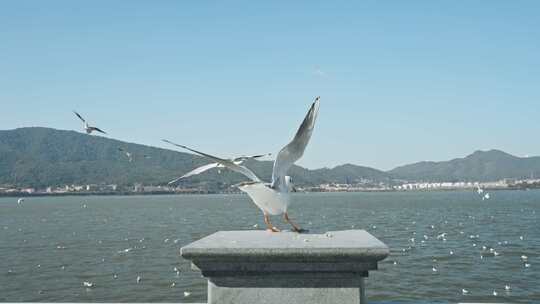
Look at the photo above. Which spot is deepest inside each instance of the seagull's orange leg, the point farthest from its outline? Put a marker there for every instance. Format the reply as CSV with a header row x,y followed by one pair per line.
x,y
268,224
295,227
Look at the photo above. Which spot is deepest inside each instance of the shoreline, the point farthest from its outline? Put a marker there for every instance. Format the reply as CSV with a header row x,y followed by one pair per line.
x,y
127,193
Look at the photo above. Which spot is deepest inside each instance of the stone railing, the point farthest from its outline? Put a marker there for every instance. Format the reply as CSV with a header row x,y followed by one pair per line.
x,y
262,267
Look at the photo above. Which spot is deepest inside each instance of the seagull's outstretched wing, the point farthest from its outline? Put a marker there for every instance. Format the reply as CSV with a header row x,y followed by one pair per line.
x,y
225,162
79,115
295,149
243,158
98,129
195,171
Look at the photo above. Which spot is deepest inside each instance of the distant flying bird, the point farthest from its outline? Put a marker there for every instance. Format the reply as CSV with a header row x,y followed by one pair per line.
x,y
20,201
89,129
128,155
201,169
273,198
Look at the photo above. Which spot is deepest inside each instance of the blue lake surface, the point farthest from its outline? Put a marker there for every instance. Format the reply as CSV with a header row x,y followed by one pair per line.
x,y
49,246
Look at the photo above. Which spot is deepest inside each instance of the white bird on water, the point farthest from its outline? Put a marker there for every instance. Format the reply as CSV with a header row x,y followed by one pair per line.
x,y
486,196
273,198
88,284
87,128
479,190
20,201
201,169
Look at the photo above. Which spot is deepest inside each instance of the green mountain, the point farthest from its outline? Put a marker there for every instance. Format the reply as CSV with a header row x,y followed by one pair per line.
x,y
41,157
480,166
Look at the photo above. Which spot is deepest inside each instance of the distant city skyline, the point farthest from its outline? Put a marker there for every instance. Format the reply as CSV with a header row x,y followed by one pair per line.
x,y
400,82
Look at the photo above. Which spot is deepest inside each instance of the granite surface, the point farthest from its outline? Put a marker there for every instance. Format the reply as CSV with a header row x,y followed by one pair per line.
x,y
288,246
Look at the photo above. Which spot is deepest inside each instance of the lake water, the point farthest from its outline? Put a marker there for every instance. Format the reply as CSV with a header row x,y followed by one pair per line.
x,y
49,246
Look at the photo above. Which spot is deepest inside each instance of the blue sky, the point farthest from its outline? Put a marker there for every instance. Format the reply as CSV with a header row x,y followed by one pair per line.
x,y
400,81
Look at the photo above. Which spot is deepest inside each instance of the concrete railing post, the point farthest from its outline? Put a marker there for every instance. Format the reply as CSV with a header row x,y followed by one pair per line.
x,y
286,267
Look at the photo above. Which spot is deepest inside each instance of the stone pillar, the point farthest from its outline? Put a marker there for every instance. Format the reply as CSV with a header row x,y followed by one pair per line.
x,y
286,267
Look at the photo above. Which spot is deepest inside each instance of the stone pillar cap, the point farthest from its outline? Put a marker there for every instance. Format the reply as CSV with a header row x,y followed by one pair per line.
x,y
258,245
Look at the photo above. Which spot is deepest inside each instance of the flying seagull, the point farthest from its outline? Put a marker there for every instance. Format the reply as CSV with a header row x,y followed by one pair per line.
x,y
130,158
89,129
273,198
201,169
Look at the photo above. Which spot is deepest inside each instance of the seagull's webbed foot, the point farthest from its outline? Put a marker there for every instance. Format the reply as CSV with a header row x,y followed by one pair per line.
x,y
296,228
269,225
273,229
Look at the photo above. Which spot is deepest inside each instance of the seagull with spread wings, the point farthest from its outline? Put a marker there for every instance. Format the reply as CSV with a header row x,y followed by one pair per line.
x,y
204,168
273,198
89,129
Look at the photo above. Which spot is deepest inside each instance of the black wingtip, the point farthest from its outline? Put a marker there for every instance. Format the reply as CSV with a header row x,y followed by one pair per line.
x,y
316,102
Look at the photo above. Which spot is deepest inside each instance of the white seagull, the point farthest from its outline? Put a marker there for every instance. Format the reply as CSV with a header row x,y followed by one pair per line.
x,y
486,196
479,190
88,284
201,169
273,198
89,129
128,155
20,201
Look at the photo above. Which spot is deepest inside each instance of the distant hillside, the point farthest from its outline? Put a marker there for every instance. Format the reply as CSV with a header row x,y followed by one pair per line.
x,y
479,166
40,157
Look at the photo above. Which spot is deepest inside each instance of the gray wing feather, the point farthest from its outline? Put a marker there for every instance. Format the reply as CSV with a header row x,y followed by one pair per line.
x,y
225,162
295,149
79,115
195,171
243,158
98,129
